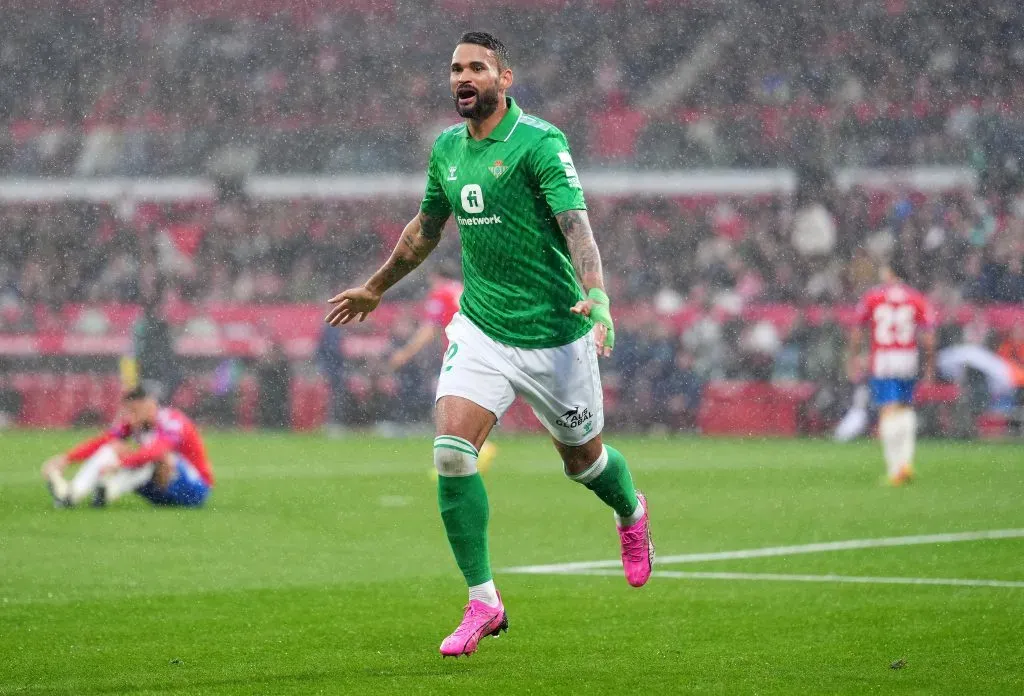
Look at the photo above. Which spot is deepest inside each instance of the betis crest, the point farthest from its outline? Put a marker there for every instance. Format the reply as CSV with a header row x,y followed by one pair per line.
x,y
498,168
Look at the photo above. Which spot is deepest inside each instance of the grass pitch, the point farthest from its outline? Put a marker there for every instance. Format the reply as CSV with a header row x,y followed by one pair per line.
x,y
321,567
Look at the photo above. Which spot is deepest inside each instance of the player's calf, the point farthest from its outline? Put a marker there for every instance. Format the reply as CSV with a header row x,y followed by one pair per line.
x,y
609,478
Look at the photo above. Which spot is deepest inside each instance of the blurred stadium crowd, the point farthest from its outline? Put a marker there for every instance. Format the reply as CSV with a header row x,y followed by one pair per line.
x,y
727,252
242,87
684,272
137,87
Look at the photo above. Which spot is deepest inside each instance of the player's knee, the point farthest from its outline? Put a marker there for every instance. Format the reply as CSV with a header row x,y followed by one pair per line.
x,y
579,460
584,464
454,456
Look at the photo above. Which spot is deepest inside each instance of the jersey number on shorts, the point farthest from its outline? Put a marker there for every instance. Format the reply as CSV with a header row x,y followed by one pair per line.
x,y
894,324
449,354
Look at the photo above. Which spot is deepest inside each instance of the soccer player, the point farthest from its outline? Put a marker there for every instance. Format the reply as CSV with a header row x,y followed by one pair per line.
x,y
896,314
525,325
156,452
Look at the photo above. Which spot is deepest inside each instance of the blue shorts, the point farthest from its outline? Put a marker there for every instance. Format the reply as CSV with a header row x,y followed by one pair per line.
x,y
892,391
187,487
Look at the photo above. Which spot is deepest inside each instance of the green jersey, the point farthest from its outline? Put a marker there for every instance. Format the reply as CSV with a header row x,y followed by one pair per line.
x,y
505,191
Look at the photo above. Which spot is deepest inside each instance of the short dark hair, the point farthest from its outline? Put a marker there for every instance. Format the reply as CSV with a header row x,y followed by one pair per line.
x,y
491,42
136,393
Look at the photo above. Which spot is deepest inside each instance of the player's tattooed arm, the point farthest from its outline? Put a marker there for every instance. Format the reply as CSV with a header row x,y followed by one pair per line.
x,y
586,258
419,238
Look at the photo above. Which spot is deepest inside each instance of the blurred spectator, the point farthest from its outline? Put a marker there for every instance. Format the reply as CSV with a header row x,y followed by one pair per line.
x,y
814,231
678,392
153,346
331,363
10,404
273,383
1011,349
758,345
218,404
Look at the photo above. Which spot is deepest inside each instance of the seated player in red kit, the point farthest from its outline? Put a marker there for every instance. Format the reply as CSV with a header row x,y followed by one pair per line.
x,y
151,450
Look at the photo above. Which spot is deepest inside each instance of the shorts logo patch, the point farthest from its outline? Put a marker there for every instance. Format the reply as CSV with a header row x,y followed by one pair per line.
x,y
574,418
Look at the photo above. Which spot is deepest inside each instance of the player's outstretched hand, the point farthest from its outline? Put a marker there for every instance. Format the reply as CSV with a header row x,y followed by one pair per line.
x,y
354,303
596,307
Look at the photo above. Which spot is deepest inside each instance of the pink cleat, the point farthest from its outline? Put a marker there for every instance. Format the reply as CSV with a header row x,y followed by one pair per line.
x,y
480,620
637,548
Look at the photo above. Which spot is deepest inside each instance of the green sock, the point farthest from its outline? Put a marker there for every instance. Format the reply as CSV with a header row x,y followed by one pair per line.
x,y
611,482
463,503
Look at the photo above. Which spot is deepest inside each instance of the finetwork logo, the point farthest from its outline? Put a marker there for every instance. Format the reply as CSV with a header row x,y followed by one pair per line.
x,y
489,220
473,202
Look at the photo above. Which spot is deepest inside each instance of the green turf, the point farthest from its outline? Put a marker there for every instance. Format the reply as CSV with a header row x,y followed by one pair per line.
x,y
321,567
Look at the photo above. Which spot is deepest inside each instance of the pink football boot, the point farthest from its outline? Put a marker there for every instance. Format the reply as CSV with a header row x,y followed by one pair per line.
x,y
480,620
637,548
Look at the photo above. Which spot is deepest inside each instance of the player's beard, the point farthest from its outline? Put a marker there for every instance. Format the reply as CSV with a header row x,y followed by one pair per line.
x,y
486,104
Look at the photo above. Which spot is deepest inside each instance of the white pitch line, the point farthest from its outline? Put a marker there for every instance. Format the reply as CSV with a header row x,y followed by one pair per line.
x,y
851,544
780,577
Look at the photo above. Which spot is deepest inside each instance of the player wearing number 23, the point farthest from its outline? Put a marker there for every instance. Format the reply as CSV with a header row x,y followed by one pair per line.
x,y
896,315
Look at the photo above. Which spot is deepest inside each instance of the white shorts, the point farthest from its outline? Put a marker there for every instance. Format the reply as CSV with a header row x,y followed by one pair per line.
x,y
561,384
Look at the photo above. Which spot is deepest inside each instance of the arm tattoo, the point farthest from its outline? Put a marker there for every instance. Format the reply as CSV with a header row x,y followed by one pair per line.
x,y
423,240
583,251
431,227
417,241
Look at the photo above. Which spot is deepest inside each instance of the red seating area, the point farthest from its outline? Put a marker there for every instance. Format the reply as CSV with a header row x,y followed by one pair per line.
x,y
742,409
752,408
745,409
52,400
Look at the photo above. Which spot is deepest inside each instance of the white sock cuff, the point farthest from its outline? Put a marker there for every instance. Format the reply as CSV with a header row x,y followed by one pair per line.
x,y
486,593
632,519
454,456
592,471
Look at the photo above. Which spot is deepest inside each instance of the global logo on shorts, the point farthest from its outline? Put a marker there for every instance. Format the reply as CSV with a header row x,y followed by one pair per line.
x,y
574,417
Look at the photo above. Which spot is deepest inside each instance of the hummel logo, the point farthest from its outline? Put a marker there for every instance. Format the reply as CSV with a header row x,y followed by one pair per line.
x,y
451,173
574,418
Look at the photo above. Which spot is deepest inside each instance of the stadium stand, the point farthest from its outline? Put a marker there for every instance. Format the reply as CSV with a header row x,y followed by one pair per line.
x,y
279,86
725,286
